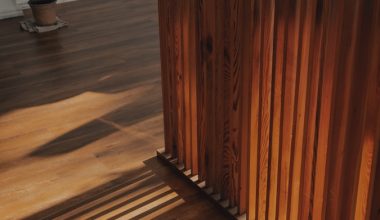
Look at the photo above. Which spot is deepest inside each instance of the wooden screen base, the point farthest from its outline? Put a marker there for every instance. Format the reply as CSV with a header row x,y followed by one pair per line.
x,y
223,205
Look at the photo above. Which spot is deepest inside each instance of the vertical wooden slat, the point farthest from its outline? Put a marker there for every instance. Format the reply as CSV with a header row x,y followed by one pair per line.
x,y
280,28
233,76
165,74
325,117
172,79
209,85
255,113
313,103
219,97
178,78
202,90
275,104
341,122
368,196
267,23
306,30
360,92
371,139
193,69
290,105
208,44
187,62
247,22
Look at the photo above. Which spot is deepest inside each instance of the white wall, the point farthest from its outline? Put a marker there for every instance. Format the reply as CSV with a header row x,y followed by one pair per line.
x,y
8,8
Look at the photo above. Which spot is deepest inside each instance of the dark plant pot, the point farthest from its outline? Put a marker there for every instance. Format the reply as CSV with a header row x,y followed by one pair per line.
x,y
44,12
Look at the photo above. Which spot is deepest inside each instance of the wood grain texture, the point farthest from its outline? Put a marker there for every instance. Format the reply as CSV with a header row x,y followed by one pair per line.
x,y
295,84
319,36
81,118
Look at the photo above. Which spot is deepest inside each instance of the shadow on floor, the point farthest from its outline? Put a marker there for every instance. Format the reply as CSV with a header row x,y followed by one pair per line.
x,y
146,107
150,192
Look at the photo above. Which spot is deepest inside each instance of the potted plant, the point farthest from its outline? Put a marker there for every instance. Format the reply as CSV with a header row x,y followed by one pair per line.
x,y
44,12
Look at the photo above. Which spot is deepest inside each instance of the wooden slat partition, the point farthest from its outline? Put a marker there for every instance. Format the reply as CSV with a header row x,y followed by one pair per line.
x,y
275,104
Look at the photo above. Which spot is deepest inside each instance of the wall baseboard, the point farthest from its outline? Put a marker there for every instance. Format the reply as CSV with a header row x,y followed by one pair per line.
x,y
23,4
10,14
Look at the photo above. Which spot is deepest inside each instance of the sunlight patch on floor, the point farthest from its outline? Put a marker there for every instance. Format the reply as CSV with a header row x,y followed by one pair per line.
x,y
62,116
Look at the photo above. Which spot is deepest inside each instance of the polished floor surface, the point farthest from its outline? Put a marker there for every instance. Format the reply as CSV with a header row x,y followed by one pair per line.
x,y
81,118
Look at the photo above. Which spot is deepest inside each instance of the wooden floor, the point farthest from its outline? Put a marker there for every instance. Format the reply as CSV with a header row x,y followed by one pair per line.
x,y
81,118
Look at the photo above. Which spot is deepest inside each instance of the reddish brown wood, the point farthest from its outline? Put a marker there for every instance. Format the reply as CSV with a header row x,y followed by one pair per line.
x,y
286,100
218,48
165,75
193,68
280,28
246,63
186,44
253,150
313,104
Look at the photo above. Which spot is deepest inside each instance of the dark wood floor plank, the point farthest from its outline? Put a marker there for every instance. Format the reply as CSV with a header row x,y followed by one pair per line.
x,y
81,118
